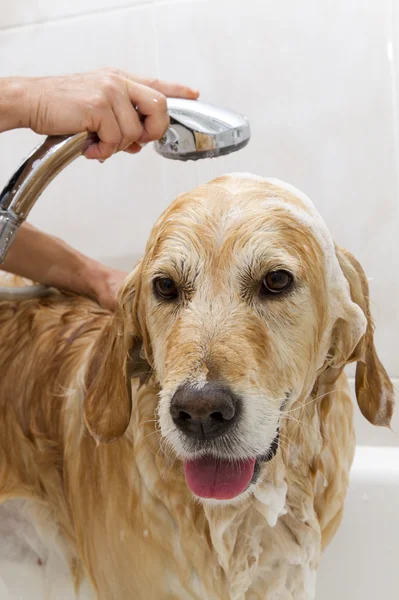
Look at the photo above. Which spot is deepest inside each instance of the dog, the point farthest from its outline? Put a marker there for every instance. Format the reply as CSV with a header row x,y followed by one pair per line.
x,y
196,445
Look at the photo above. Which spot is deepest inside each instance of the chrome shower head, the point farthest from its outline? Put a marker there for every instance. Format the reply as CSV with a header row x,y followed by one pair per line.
x,y
200,130
196,131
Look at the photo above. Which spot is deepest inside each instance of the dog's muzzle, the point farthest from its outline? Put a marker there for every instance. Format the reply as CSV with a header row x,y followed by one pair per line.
x,y
205,417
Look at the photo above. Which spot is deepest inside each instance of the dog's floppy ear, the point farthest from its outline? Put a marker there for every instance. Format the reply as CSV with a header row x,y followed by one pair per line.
x,y
115,360
374,389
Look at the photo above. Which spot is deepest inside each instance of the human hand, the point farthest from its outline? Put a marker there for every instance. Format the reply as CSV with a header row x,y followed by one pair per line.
x,y
103,102
104,285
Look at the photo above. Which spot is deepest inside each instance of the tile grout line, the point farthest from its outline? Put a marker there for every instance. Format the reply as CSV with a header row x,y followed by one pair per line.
x,y
90,13
75,16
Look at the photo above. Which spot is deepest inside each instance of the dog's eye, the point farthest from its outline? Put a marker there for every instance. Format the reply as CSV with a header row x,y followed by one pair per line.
x,y
165,288
276,282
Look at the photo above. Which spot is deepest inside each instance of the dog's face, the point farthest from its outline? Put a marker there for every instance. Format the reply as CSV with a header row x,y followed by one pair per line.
x,y
237,302
236,306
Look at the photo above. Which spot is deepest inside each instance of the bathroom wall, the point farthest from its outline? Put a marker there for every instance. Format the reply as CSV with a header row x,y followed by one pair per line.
x,y
318,80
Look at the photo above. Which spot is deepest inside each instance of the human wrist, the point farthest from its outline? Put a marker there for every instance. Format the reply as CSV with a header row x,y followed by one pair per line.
x,y
102,283
80,274
71,271
94,277
14,103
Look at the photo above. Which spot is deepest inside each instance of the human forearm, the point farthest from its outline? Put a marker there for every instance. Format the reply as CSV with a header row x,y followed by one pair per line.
x,y
48,260
13,103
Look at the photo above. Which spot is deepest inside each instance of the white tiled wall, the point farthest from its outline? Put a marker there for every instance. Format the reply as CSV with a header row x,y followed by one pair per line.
x,y
318,81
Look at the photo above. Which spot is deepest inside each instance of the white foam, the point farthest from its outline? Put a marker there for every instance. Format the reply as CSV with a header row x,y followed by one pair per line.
x,y
309,217
246,176
271,501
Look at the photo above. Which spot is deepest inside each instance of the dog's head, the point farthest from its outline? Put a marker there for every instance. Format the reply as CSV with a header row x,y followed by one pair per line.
x,y
241,301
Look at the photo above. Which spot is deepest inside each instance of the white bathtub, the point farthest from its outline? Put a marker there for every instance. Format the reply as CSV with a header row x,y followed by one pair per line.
x,y
362,562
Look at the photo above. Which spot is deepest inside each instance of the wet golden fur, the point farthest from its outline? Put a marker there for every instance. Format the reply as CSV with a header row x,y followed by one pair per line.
x,y
123,510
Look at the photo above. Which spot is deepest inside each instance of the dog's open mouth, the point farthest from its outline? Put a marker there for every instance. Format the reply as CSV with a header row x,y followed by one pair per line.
x,y
210,477
222,479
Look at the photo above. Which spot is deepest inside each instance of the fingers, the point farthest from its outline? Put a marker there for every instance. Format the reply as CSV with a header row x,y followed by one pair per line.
x,y
116,121
171,90
153,107
133,148
130,126
110,136
114,116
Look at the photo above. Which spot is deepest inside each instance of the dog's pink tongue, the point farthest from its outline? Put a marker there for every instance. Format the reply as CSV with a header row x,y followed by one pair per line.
x,y
218,479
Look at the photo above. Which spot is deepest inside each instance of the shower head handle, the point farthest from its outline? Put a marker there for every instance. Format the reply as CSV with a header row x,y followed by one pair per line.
x,y
31,179
196,131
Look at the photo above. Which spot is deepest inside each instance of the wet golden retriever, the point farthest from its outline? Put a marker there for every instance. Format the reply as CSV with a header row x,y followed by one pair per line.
x,y
219,383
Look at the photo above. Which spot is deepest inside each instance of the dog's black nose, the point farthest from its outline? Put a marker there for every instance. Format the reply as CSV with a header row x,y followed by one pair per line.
x,y
204,413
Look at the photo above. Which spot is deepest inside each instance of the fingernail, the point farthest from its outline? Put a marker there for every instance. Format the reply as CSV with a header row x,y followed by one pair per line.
x,y
142,144
101,160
